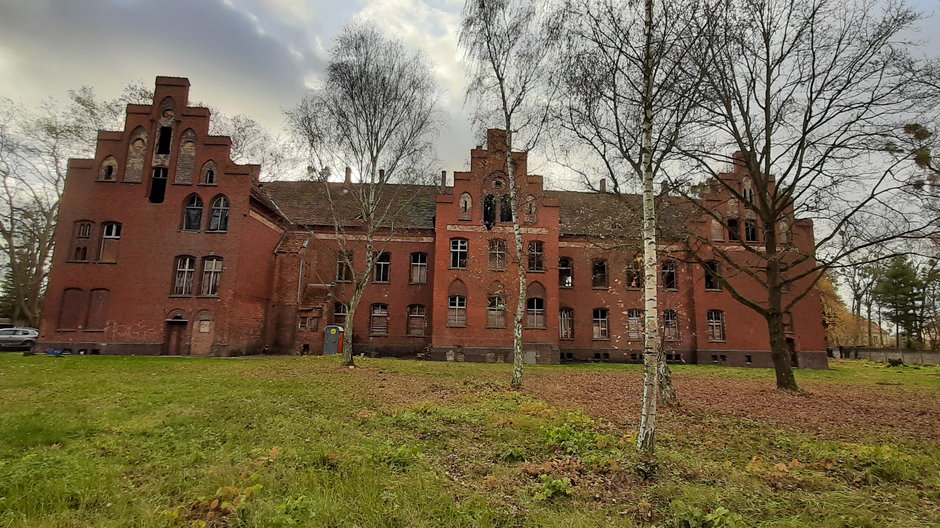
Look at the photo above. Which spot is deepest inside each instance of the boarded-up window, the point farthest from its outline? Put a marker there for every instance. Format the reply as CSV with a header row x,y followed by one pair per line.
x,y
379,323
97,309
417,320
72,310
635,323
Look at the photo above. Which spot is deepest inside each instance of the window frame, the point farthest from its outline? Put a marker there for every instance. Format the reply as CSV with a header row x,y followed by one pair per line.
x,y
535,313
218,223
340,313
595,283
715,323
498,254
712,270
495,311
566,324
670,275
189,206
378,319
634,275
457,311
183,278
671,325
382,269
344,265
535,256
600,318
210,285
459,256
562,275
635,319
412,313
418,266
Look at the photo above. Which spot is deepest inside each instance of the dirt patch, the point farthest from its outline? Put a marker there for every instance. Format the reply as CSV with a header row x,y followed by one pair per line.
x,y
830,410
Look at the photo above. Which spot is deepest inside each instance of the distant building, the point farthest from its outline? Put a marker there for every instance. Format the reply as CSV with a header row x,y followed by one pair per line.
x,y
164,246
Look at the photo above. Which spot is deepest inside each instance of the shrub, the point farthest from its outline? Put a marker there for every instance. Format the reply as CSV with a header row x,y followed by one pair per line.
x,y
552,488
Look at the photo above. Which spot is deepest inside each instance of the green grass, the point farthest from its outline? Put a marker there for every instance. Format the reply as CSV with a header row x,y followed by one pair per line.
x,y
156,442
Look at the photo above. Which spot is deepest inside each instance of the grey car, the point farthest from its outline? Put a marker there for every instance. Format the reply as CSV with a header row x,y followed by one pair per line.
x,y
18,337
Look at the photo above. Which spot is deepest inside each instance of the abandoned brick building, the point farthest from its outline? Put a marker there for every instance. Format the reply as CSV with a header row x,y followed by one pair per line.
x,y
165,246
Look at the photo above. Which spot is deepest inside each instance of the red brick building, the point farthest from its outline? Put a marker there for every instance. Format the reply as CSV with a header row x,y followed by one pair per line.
x,y
164,246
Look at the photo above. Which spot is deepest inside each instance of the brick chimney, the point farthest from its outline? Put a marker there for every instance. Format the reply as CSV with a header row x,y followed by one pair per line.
x,y
348,179
602,187
381,175
443,179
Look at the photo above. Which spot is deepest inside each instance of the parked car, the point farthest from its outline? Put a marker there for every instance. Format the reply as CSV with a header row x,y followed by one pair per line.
x,y
18,337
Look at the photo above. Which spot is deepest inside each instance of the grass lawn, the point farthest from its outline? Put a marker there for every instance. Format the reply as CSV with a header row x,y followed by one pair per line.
x,y
299,441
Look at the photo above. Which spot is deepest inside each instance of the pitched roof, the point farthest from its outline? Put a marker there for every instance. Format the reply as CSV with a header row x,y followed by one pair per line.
x,y
582,213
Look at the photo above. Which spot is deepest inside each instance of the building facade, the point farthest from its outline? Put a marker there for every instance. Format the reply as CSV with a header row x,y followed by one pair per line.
x,y
165,246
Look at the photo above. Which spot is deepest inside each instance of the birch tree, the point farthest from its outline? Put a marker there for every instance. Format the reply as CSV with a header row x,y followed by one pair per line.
x,y
507,46
810,91
628,96
375,114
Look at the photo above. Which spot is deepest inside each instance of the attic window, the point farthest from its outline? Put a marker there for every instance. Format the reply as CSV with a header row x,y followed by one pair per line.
x,y
163,145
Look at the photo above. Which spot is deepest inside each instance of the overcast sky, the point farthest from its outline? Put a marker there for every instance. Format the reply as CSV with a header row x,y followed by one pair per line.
x,y
243,56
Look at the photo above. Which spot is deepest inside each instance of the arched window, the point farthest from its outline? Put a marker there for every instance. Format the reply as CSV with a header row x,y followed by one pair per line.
x,y
465,205
670,275
457,310
72,310
192,216
601,330
599,274
671,325
565,273
635,323
716,325
566,323
498,254
635,274
97,316
378,324
383,267
110,235
417,320
219,220
747,192
211,275
207,176
81,238
108,170
712,275
535,306
183,279
339,313
536,256
459,247
419,268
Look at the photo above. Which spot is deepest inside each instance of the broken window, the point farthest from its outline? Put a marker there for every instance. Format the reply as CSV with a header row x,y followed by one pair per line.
x,y
712,275
565,272
489,211
600,323
185,270
466,206
497,254
536,253
734,230
219,220
211,275
505,208
339,314
599,274
635,323
670,275
496,312
716,325
750,231
192,217
158,185
344,271
671,325
566,323
163,144
635,274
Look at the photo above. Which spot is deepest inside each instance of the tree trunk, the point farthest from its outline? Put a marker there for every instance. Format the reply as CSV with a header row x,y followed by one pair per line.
x,y
348,360
667,393
518,359
652,351
780,353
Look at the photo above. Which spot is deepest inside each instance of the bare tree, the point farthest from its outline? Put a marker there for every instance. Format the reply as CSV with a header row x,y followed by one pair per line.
x,y
809,91
628,97
507,46
374,114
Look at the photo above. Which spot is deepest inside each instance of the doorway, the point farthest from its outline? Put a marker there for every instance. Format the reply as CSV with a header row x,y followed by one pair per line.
x,y
173,336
